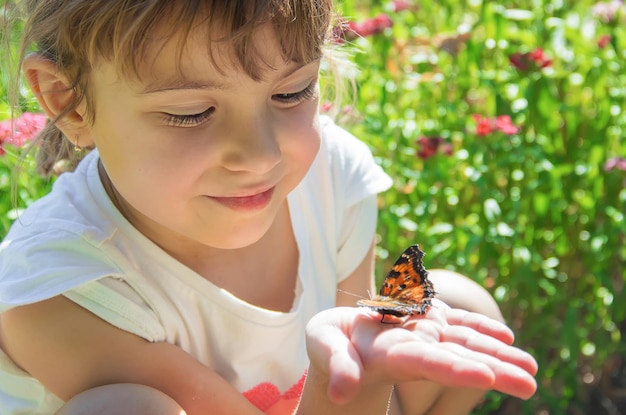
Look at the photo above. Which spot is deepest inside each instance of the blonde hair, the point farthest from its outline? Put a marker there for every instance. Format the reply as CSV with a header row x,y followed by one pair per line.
x,y
75,33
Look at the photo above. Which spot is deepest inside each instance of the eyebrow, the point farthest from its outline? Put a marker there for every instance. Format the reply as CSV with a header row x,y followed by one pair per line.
x,y
181,83
175,84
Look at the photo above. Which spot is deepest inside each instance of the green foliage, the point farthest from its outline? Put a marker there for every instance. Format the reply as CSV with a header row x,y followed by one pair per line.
x,y
533,216
19,183
10,89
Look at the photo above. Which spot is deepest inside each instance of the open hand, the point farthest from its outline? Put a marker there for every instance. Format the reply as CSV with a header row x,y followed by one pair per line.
x,y
448,346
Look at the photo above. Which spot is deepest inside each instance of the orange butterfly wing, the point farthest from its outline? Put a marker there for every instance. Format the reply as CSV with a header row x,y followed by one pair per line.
x,y
406,289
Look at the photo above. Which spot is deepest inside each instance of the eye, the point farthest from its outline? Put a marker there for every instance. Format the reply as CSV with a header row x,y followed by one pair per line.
x,y
188,120
306,94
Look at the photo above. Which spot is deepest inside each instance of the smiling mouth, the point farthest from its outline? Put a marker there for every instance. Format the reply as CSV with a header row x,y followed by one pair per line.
x,y
253,202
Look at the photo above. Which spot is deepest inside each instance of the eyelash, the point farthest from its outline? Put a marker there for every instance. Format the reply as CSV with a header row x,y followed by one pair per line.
x,y
297,97
193,120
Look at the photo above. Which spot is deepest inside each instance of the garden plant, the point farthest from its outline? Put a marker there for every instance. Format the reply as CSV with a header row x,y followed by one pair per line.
x,y
502,124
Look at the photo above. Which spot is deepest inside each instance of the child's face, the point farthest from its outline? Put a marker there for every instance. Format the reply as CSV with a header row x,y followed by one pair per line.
x,y
210,157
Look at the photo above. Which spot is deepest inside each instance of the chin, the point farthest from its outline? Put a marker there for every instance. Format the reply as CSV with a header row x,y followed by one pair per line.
x,y
242,237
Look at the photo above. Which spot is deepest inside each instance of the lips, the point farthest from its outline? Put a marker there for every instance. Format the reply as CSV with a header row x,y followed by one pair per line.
x,y
252,202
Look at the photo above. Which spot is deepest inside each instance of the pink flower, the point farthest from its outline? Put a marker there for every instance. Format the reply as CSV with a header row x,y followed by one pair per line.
x,y
486,126
400,5
24,129
615,163
504,124
530,61
606,11
430,146
326,107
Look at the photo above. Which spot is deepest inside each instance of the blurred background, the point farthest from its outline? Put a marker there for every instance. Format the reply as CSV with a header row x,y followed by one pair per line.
x,y
502,125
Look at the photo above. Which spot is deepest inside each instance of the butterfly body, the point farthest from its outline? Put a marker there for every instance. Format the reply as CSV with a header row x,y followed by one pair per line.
x,y
406,289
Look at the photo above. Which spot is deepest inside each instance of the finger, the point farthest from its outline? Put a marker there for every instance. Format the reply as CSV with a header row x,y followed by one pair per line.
x,y
485,344
456,366
332,353
345,371
445,365
481,323
509,378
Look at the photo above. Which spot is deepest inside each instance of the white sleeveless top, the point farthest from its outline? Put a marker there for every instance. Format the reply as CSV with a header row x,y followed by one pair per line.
x,y
75,242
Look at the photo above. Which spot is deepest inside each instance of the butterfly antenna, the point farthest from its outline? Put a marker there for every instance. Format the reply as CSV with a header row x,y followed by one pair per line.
x,y
339,290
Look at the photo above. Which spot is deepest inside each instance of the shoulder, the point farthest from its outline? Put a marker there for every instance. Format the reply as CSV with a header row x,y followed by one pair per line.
x,y
56,244
339,142
40,266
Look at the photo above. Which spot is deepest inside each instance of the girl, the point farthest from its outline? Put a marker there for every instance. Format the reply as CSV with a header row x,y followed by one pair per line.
x,y
177,267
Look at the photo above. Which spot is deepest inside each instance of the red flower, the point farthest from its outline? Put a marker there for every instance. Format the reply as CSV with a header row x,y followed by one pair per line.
x,y
539,58
518,61
486,126
430,146
530,61
24,129
604,41
349,30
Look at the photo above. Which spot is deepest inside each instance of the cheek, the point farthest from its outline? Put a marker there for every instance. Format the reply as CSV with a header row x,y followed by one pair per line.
x,y
301,153
309,149
304,136
154,177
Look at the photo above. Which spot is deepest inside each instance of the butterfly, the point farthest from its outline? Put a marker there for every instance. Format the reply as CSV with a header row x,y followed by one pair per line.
x,y
406,289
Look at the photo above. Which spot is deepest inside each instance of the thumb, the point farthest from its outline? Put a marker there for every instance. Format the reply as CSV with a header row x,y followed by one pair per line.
x,y
333,358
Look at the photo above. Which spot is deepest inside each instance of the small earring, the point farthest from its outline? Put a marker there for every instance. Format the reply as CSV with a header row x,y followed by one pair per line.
x,y
77,148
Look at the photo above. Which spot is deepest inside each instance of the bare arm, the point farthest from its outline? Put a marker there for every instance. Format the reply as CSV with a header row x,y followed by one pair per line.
x,y
359,282
71,350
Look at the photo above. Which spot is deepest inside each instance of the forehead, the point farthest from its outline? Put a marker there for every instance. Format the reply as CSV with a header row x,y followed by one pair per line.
x,y
195,59
186,55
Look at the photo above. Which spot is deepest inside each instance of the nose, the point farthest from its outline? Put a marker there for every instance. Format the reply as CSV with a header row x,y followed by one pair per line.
x,y
252,145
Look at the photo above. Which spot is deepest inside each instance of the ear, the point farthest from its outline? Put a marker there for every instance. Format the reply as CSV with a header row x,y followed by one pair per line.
x,y
55,94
